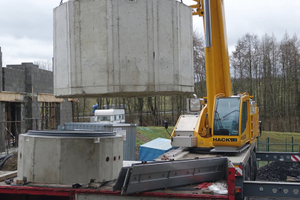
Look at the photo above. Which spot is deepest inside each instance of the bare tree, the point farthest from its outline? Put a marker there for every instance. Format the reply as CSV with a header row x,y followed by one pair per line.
x,y
44,64
199,64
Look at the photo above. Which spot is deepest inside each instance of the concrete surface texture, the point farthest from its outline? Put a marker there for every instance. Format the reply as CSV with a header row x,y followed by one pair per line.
x,y
69,160
114,48
127,130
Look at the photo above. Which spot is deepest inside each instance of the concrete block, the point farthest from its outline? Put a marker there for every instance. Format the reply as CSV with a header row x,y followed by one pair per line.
x,y
111,48
67,160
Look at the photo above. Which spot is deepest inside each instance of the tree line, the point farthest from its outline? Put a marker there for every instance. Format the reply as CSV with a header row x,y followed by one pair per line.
x,y
264,67
268,70
144,111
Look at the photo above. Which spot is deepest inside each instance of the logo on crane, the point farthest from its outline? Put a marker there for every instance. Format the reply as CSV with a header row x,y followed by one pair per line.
x,y
225,140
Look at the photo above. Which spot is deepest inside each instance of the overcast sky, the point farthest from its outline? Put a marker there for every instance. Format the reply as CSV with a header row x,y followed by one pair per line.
x,y
26,25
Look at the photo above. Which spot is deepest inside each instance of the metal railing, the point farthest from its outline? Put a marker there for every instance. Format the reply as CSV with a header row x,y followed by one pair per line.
x,y
289,145
285,146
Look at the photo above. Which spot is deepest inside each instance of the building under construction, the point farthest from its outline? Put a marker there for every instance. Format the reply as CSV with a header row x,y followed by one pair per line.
x,y
27,101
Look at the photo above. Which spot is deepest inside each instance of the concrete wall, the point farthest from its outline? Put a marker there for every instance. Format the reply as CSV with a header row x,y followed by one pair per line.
x,y
15,84
45,77
38,80
28,78
65,112
23,125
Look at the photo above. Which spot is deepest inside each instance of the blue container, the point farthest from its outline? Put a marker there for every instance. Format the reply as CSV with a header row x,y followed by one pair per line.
x,y
151,150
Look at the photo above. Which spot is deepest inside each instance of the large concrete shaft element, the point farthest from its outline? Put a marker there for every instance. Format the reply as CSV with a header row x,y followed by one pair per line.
x,y
113,48
69,160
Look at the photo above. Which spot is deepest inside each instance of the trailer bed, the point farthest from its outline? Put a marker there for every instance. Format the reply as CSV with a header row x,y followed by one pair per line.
x,y
36,190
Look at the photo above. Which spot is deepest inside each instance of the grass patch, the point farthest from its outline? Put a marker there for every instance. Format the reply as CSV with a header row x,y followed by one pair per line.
x,y
279,141
139,142
152,132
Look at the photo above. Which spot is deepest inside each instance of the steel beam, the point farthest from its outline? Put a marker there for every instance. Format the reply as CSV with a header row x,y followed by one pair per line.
x,y
276,156
158,175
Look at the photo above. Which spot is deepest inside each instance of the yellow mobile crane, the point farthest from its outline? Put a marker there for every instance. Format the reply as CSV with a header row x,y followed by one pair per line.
x,y
227,122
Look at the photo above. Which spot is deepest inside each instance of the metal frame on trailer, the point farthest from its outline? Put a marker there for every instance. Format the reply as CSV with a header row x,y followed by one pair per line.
x,y
271,189
278,156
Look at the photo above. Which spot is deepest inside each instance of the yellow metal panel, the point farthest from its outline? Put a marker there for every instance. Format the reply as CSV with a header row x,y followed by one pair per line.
x,y
49,98
204,138
199,8
11,97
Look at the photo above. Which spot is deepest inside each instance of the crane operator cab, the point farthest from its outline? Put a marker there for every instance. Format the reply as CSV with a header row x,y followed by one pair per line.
x,y
227,116
235,123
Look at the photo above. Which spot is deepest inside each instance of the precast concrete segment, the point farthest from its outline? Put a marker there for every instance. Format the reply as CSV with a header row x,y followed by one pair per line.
x,y
68,160
112,48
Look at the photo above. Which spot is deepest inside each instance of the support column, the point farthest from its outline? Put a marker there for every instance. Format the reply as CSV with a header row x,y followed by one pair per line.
x,y
2,127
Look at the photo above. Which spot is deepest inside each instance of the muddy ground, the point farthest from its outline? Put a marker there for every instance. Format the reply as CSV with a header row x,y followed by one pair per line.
x,y
143,139
11,164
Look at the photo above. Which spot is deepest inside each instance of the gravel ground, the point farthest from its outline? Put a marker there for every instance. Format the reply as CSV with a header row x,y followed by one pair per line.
x,y
278,171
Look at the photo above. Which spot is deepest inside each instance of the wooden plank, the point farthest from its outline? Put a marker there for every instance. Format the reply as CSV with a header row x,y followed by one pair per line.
x,y
292,179
11,97
7,174
48,98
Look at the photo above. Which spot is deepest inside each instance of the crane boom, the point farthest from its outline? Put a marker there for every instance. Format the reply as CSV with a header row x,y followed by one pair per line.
x,y
216,54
